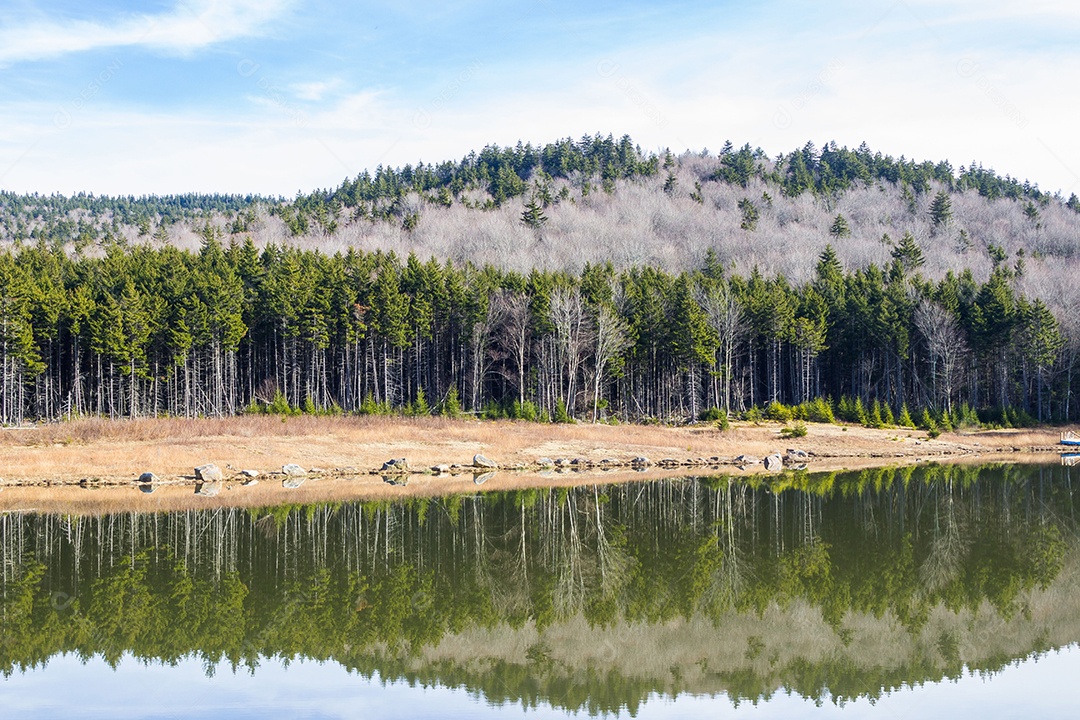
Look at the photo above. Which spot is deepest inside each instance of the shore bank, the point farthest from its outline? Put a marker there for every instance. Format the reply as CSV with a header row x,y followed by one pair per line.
x,y
94,466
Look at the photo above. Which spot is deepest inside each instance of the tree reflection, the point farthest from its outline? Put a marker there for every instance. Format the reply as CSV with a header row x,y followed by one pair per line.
x,y
745,585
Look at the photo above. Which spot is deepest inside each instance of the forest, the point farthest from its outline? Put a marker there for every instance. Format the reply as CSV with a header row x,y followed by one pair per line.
x,y
217,305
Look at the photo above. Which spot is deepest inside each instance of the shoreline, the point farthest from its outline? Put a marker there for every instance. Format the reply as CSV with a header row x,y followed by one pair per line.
x,y
93,466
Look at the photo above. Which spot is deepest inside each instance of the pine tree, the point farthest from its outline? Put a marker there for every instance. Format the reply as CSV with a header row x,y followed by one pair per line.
x,y
941,209
840,228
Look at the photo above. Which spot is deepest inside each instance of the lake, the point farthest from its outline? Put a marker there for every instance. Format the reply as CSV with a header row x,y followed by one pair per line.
x,y
931,591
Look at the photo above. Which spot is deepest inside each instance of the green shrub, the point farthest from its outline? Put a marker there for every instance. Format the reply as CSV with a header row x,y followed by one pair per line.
x,y
905,417
779,412
451,406
797,430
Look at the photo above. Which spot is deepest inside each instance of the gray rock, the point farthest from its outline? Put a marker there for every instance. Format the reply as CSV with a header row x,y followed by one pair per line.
x,y
794,454
395,465
441,469
479,460
545,462
250,473
148,477
640,461
293,470
562,462
208,473
483,477
774,462
744,460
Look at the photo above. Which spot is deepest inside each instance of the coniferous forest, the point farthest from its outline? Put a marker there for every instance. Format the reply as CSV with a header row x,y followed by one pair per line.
x,y
104,310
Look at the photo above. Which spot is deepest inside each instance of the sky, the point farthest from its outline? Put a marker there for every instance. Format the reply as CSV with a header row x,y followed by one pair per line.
x,y
276,97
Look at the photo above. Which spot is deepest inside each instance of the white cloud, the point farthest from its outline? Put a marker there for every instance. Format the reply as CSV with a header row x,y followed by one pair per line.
x,y
190,25
315,91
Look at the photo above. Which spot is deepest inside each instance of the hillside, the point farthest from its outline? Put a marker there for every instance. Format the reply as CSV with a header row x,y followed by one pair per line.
x,y
584,280
601,200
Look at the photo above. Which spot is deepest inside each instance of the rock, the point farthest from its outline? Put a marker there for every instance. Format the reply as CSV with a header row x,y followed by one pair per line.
x,y
292,482
208,473
744,460
148,477
774,462
208,489
562,462
640,460
293,470
483,477
479,460
316,471
250,473
794,454
395,465
545,462
441,469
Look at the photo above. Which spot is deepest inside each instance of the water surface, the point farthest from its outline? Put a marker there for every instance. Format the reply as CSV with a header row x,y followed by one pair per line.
x,y
937,590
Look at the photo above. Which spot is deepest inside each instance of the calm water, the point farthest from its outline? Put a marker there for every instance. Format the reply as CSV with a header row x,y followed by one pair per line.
x,y
930,591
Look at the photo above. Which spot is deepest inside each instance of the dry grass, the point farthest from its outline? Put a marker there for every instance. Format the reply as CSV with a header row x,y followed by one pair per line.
x,y
349,448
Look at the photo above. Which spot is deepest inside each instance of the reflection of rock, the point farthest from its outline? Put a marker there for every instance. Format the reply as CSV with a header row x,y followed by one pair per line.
x,y
208,489
146,488
640,461
293,470
291,483
249,482
395,465
483,477
479,460
208,473
774,462
399,480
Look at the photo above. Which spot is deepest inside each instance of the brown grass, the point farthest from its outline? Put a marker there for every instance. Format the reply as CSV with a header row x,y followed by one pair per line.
x,y
349,448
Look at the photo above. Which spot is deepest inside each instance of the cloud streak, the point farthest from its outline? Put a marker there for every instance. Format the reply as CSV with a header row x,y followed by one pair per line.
x,y
190,25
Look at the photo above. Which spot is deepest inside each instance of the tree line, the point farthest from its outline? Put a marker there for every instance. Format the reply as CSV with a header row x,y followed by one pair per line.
x,y
229,329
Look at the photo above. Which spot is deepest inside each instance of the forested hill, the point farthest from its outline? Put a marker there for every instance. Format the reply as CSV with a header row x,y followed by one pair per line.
x,y
579,280
598,199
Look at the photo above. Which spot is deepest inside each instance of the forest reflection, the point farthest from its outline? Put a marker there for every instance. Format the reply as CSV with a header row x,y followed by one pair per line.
x,y
835,585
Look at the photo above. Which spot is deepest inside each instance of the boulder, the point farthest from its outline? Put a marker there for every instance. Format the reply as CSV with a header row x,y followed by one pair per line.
x,y
483,477
774,462
250,473
794,454
208,473
293,470
562,462
479,460
148,477
744,460
441,469
640,461
545,462
395,465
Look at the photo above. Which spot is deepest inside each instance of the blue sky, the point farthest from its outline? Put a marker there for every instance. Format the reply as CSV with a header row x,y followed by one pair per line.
x,y
277,96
